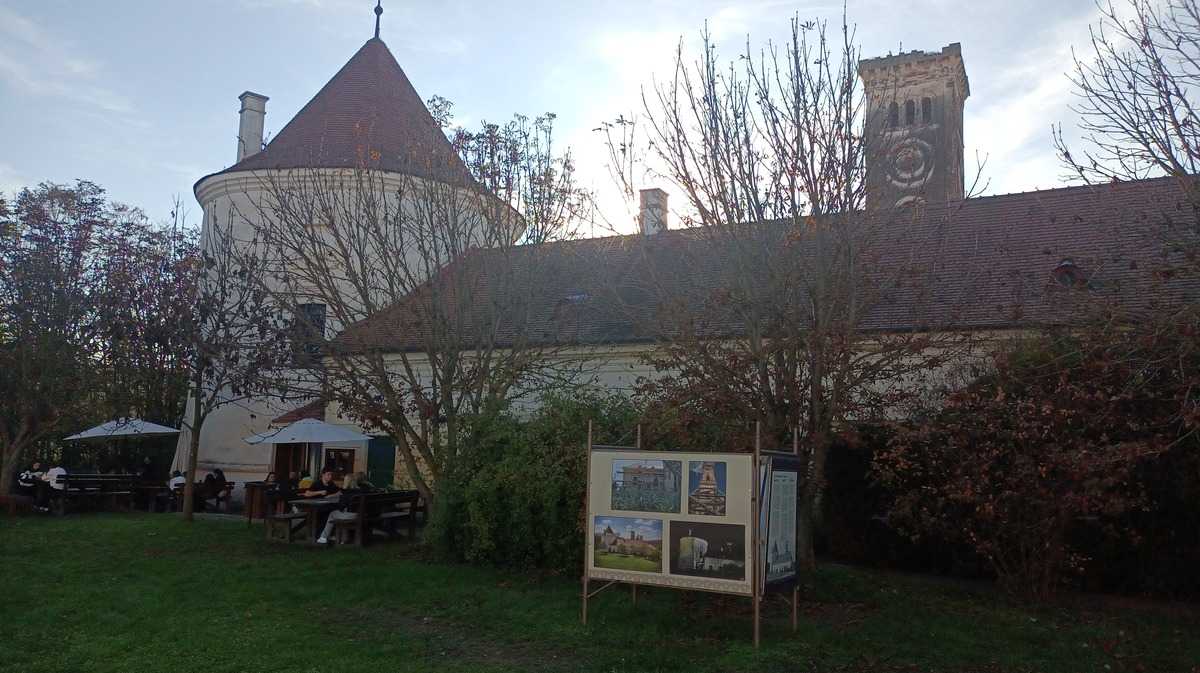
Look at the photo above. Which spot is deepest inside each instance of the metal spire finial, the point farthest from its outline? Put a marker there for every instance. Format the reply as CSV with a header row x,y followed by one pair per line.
x,y
378,14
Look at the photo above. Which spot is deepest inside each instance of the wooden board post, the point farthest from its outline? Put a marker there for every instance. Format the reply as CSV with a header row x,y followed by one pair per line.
x,y
638,444
587,528
796,585
795,605
755,520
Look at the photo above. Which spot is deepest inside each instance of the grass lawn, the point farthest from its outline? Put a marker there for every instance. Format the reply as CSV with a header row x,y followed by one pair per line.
x,y
626,562
150,593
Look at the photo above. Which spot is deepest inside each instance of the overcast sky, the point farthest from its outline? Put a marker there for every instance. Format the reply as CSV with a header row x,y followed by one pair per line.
x,y
141,95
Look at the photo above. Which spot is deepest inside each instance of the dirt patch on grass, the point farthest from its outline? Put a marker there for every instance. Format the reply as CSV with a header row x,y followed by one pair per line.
x,y
839,615
443,640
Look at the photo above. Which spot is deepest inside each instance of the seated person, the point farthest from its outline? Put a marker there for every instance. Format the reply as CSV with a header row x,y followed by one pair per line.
x,y
305,481
276,492
27,480
325,486
177,481
52,487
355,483
360,483
146,471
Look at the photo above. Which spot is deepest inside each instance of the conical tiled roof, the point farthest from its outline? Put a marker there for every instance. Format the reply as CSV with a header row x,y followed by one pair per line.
x,y
368,115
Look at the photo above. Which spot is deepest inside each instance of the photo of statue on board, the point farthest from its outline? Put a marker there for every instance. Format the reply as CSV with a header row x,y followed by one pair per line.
x,y
626,543
647,485
706,487
716,550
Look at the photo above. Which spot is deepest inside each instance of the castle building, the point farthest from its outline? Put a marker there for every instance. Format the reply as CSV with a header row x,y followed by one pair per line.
x,y
1018,244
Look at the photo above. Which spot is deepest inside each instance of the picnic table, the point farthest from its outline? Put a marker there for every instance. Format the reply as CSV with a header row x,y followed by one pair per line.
x,y
313,508
91,489
153,493
378,511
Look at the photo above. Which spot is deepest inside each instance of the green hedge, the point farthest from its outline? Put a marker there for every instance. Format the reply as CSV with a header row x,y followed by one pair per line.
x,y
515,498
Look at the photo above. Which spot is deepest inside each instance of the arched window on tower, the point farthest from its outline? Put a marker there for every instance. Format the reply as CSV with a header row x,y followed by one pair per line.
x,y
926,110
893,115
910,113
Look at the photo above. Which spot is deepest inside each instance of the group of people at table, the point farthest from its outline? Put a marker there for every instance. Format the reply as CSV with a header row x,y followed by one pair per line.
x,y
324,486
41,486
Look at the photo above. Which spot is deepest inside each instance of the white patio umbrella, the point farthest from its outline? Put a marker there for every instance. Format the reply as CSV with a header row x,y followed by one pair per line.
x,y
307,431
123,427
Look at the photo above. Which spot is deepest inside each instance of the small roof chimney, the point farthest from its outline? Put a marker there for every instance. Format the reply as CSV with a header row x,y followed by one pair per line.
x,y
652,211
250,124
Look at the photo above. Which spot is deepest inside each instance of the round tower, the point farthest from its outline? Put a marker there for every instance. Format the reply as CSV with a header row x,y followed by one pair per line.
x,y
368,116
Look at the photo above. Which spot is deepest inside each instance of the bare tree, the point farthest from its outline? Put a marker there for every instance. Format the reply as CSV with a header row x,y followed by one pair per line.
x,y
1136,89
234,333
817,306
442,260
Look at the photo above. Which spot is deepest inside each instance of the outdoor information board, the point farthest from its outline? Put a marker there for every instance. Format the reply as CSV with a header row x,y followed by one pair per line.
x,y
780,479
671,519
720,522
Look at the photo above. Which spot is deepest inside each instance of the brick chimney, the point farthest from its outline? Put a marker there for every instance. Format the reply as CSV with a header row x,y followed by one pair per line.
x,y
250,124
652,211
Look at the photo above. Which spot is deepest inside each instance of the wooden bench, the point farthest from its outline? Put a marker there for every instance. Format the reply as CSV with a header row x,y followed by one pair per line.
x,y
290,523
116,490
379,511
17,502
201,494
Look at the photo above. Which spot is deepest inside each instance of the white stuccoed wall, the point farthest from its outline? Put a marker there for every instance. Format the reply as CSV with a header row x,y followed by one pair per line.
x,y
240,198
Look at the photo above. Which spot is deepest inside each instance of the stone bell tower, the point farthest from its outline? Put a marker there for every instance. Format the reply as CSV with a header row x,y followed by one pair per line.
x,y
914,126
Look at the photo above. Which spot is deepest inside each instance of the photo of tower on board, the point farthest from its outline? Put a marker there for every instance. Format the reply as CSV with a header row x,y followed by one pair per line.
x,y
706,487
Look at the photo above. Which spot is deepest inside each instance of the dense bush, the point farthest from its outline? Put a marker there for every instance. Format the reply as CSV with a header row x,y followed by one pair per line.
x,y
516,497
1055,441
854,527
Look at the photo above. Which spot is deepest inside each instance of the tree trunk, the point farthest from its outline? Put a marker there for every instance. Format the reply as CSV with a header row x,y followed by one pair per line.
x,y
8,464
806,510
806,558
189,486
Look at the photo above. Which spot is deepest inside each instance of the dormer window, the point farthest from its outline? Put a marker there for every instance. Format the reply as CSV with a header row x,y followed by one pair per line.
x,y
910,113
1067,274
926,110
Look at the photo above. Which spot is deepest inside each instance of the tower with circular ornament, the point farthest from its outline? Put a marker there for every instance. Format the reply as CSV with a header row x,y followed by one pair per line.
x,y
914,127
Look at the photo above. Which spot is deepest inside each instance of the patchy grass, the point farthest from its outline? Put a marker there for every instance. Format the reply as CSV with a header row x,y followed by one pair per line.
x,y
150,593
626,562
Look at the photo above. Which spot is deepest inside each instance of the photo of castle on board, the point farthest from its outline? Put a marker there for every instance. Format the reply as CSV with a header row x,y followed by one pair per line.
x,y
625,543
647,485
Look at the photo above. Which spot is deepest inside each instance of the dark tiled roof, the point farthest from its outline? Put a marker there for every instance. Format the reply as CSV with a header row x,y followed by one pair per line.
x,y
314,410
983,263
367,116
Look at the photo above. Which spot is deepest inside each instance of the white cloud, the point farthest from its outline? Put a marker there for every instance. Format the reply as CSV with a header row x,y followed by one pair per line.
x,y
33,61
312,4
11,180
1008,121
